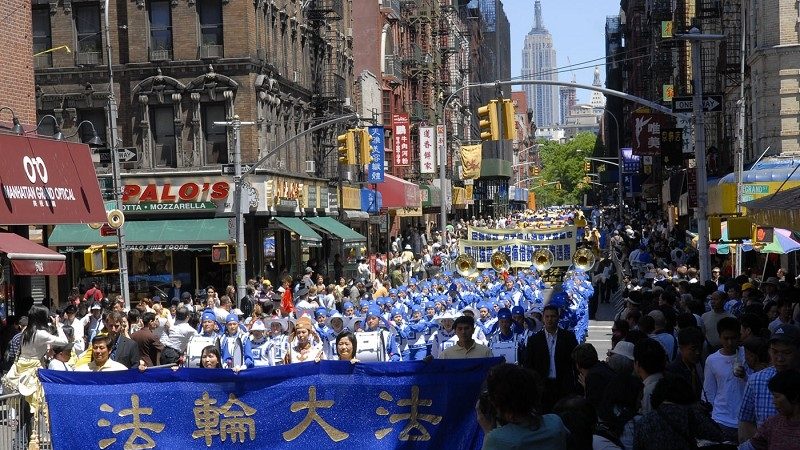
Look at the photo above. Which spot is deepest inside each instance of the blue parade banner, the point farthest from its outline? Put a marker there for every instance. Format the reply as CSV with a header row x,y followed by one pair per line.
x,y
325,405
375,167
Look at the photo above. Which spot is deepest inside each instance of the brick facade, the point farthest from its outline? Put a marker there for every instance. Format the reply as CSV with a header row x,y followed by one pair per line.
x,y
16,78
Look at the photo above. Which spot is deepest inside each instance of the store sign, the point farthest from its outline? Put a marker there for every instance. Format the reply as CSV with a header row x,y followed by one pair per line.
x,y
312,196
351,198
333,199
323,197
427,161
401,132
284,193
647,133
375,172
173,194
46,182
157,247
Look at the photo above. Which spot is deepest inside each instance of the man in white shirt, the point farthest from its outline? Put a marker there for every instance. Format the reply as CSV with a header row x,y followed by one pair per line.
x,y
721,387
101,362
176,338
466,347
77,327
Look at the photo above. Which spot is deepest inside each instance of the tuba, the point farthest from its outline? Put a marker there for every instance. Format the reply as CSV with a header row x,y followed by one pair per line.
x,y
500,261
466,266
543,259
584,259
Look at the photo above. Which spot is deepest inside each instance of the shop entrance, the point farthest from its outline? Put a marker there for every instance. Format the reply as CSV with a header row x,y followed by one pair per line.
x,y
214,274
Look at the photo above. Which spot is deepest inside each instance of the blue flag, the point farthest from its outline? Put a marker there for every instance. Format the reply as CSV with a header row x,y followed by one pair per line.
x,y
331,404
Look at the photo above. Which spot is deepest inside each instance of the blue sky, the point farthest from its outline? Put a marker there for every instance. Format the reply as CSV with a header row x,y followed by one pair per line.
x,y
578,29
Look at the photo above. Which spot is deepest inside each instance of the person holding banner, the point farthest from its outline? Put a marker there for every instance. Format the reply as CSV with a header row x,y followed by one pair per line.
x,y
445,336
261,347
301,347
278,339
466,347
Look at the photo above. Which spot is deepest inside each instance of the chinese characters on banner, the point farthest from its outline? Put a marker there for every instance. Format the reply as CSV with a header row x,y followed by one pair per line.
x,y
400,405
647,134
672,146
441,143
401,130
427,160
630,163
375,167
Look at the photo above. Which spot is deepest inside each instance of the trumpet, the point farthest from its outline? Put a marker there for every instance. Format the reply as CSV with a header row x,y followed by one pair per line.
x,y
584,259
466,266
500,261
543,259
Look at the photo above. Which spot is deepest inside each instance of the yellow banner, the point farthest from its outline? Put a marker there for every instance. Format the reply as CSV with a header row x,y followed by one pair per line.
x,y
471,161
520,251
351,198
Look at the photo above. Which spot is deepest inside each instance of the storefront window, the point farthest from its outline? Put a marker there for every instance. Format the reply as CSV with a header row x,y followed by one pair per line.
x,y
151,272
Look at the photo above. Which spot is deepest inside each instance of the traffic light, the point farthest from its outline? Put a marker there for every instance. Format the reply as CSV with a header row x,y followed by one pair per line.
x,y
220,253
347,147
94,258
587,180
587,166
364,148
535,171
488,121
509,119
558,186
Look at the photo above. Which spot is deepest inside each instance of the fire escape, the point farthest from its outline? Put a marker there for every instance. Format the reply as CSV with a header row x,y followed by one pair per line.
x,y
420,59
709,15
329,77
730,59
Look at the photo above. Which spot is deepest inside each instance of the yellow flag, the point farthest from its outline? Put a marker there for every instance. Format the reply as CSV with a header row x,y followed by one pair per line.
x,y
471,161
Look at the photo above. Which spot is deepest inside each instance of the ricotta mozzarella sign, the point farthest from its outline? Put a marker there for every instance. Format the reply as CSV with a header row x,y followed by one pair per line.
x,y
47,182
173,194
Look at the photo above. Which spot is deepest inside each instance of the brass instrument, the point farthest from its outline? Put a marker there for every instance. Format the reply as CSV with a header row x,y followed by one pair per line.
x,y
543,259
500,261
584,259
466,266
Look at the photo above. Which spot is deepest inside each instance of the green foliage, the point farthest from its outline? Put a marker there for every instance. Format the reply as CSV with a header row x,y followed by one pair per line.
x,y
564,163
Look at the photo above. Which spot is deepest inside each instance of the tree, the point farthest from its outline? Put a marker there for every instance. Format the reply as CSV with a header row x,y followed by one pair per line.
x,y
564,163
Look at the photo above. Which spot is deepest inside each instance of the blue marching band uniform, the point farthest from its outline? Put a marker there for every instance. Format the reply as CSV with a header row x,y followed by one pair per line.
x,y
415,320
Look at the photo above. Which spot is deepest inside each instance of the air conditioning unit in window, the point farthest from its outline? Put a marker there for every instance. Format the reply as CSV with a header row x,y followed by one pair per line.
x,y
87,58
311,166
210,51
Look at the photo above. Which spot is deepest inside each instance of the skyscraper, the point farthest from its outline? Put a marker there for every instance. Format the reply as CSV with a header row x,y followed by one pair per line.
x,y
539,63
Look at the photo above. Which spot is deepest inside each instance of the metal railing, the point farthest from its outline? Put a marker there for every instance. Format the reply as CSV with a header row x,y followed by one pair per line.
x,y
15,421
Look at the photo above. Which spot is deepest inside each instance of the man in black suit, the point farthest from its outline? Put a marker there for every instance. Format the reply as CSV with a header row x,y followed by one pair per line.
x,y
549,353
123,350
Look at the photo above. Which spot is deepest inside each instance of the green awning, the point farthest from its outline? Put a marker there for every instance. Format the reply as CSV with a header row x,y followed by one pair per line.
x,y
146,232
331,226
296,225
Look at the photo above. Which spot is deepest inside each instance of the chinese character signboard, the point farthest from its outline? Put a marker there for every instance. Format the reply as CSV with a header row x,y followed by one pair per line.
x,y
647,133
375,167
441,143
672,146
427,158
287,407
401,132
630,163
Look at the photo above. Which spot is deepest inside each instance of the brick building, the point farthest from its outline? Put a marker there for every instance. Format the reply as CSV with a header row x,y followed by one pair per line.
x,y
16,78
180,66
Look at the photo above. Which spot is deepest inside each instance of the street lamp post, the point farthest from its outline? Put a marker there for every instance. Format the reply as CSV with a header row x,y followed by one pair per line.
x,y
122,253
696,38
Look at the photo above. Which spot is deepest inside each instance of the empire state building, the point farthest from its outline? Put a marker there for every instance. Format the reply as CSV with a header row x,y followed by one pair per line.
x,y
539,63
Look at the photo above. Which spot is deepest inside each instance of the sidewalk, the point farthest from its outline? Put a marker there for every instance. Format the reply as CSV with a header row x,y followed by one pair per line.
x,y
600,329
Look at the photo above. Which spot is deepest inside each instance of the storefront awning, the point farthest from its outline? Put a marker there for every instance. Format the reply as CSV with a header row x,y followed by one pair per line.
x,y
146,233
296,225
351,214
333,227
399,193
30,258
431,196
781,209
47,182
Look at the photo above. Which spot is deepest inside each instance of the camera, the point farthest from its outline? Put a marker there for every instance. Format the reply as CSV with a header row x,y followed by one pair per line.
x,y
485,406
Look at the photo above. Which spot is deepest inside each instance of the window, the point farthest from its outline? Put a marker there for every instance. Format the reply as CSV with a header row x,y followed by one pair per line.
x,y
210,14
97,116
161,27
216,138
87,27
42,37
164,150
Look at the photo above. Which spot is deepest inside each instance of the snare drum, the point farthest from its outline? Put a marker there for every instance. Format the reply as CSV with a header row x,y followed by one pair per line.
x,y
370,346
506,349
195,348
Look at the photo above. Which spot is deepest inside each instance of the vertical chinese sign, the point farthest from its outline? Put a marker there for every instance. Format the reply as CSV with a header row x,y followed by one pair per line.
x,y
647,134
427,160
375,167
441,144
401,128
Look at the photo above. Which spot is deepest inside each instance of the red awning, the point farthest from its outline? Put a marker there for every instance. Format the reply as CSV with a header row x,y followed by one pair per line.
x,y
30,258
399,193
47,182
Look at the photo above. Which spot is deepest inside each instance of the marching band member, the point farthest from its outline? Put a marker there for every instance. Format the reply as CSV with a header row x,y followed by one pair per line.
x,y
261,347
235,346
336,326
398,332
485,320
415,331
504,341
278,339
445,337
373,323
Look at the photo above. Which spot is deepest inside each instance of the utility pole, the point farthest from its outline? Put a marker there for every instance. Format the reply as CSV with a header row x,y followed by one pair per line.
x,y
122,252
238,203
696,38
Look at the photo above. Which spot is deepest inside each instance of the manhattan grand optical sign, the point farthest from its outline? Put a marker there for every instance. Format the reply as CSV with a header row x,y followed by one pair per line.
x,y
175,194
47,182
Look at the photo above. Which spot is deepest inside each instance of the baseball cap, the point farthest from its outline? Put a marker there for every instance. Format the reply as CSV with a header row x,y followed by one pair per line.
x,y
785,333
624,348
504,313
231,318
